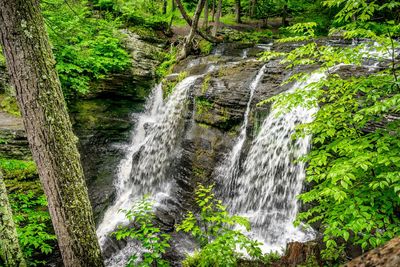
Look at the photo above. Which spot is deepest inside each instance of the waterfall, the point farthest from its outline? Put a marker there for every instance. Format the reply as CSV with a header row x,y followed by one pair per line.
x,y
266,189
153,140
229,170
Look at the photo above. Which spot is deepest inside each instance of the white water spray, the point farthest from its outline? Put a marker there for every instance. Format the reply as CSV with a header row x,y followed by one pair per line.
x,y
266,190
142,171
229,170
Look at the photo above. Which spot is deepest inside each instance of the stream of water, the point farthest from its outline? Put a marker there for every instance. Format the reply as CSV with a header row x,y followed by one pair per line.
x,y
142,171
265,190
228,172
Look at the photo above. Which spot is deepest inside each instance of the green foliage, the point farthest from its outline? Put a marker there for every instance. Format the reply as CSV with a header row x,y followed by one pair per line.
x,y
144,231
205,84
19,170
29,205
168,61
168,86
9,105
2,58
221,244
354,164
34,230
205,47
137,12
203,105
86,48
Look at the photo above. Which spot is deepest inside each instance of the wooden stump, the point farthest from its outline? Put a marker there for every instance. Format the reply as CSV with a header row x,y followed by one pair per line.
x,y
298,253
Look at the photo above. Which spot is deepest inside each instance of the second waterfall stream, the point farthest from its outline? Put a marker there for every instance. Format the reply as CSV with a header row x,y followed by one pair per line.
x,y
264,187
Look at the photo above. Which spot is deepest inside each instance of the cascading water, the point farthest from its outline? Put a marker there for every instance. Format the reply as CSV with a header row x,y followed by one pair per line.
x,y
229,170
142,171
270,180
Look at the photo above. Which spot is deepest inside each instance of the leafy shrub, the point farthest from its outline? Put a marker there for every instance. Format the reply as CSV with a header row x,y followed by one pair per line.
x,y
143,230
29,205
205,47
8,103
85,48
34,230
221,244
168,86
353,164
168,61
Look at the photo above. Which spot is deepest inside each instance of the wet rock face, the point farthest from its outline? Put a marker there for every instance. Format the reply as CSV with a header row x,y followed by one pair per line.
x,y
103,128
218,103
13,140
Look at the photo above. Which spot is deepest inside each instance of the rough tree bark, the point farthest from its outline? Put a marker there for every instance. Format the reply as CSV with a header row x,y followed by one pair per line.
x,y
205,22
10,251
188,45
238,10
217,17
31,66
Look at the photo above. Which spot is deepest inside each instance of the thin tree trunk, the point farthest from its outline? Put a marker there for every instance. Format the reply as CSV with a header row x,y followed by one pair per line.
x,y
173,6
205,22
165,4
217,17
188,45
213,11
284,15
252,8
183,12
190,22
32,69
10,251
238,10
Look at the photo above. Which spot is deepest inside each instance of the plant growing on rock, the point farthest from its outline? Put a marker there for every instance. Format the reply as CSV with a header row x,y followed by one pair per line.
x,y
354,164
147,233
221,241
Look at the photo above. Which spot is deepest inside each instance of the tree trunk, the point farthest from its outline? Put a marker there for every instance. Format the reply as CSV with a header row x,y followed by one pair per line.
x,y
238,10
205,22
190,22
32,69
217,17
165,4
188,45
213,10
252,8
10,251
284,15
183,12
173,6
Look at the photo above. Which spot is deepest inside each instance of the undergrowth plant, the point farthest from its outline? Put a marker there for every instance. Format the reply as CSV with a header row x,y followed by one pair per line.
x,y
354,163
143,230
86,48
220,235
28,202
